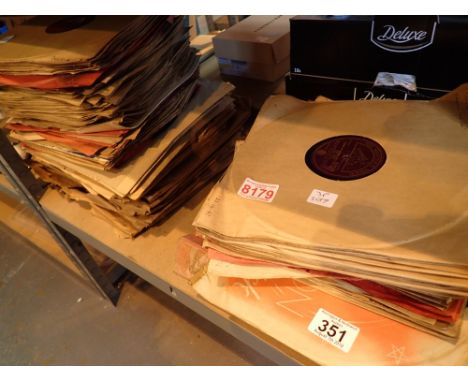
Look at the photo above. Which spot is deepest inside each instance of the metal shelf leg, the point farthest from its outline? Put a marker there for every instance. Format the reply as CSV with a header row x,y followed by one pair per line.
x,y
31,189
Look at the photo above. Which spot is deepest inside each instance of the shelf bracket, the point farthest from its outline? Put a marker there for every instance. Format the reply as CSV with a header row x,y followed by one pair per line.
x,y
30,190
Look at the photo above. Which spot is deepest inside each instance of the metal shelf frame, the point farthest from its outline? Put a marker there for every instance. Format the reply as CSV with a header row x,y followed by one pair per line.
x,y
30,190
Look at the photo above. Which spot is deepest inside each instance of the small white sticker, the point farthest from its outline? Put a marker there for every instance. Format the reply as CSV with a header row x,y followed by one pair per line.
x,y
322,198
334,330
264,192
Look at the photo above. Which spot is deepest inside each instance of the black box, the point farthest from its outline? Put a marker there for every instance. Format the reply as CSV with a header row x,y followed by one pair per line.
x,y
340,56
310,87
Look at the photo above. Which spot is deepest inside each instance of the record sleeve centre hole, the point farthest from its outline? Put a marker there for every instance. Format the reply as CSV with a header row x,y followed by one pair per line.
x,y
345,157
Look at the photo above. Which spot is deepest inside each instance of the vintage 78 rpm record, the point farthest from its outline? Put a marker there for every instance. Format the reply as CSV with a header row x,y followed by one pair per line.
x,y
345,157
410,203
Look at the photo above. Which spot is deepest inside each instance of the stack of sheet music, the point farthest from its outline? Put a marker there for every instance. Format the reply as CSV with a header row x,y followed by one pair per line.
x,y
112,111
365,199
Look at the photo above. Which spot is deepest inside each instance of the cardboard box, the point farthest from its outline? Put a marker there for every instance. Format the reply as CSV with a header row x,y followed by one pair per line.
x,y
257,47
340,56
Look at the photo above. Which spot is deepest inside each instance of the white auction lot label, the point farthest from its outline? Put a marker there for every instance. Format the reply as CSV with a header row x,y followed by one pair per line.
x,y
322,198
264,192
334,330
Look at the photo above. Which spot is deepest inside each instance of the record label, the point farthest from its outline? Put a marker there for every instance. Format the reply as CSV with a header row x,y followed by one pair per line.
x,y
345,157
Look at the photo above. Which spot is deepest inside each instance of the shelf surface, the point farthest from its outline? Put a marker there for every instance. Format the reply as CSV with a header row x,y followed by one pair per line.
x,y
151,256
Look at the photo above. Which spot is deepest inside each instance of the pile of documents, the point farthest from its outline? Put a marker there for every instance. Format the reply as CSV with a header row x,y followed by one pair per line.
x,y
365,199
112,112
